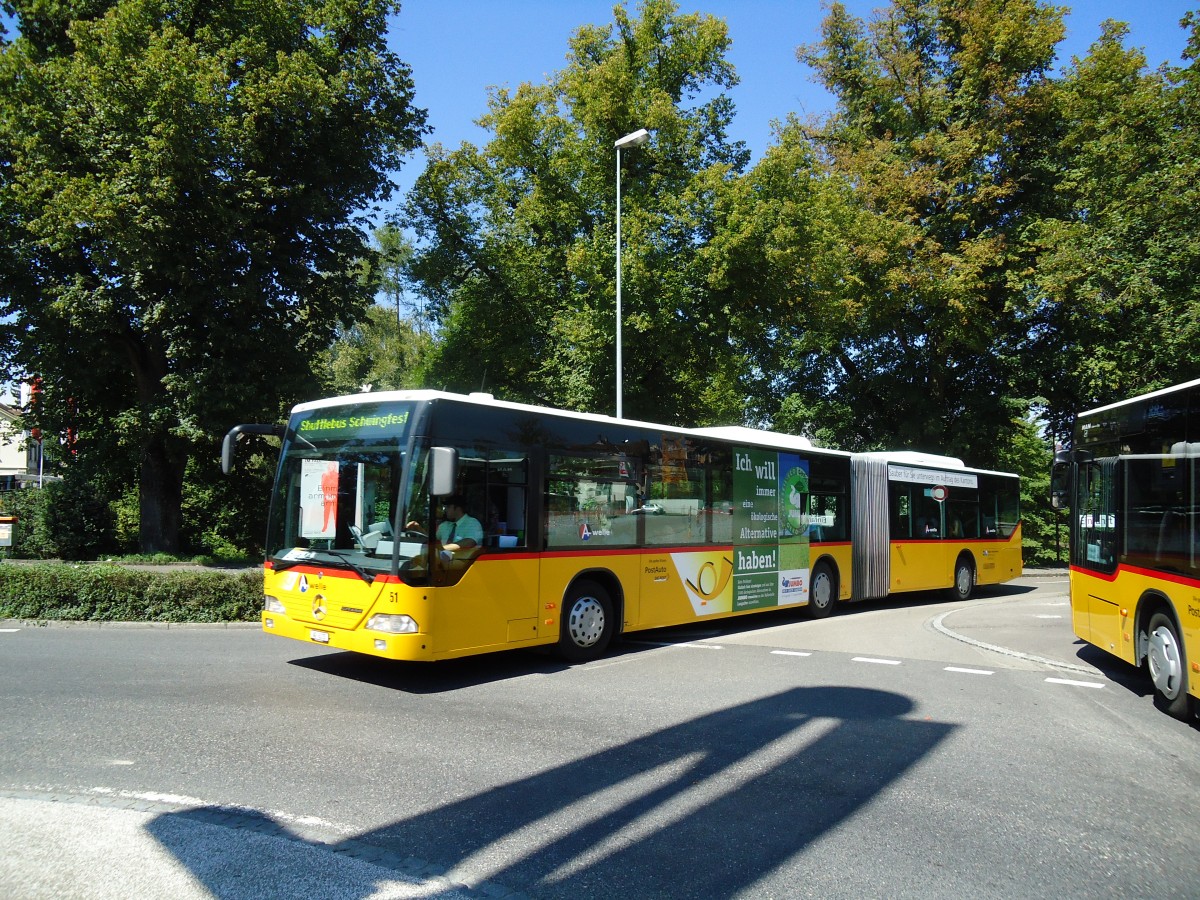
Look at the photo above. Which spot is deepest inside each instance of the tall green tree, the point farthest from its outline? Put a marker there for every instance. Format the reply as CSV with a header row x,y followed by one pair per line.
x,y
1118,273
517,250
903,328
388,347
181,187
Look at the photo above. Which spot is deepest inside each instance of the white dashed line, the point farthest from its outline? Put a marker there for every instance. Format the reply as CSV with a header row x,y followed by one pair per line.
x,y
9,630
1047,617
1067,681
968,671
878,662
790,653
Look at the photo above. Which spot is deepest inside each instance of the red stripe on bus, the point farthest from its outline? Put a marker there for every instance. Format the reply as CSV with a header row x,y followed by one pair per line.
x,y
1110,577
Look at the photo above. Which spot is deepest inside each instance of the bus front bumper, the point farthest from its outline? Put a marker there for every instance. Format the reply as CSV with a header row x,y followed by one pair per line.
x,y
415,646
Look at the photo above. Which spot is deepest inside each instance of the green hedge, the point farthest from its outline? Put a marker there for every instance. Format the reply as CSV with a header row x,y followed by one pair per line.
x,y
107,593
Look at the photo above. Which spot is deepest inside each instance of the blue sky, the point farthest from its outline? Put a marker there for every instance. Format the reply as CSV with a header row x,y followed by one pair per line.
x,y
457,48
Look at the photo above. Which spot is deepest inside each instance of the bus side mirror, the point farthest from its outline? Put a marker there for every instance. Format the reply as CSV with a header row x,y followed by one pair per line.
x,y
1059,495
443,471
229,445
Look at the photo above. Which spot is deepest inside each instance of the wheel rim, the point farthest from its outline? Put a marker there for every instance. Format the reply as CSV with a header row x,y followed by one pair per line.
x,y
586,621
822,590
1166,665
963,580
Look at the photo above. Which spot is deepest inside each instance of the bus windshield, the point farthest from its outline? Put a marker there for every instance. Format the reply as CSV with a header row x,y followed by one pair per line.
x,y
343,474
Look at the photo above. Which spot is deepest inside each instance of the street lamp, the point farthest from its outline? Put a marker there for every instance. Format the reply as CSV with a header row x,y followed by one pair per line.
x,y
635,139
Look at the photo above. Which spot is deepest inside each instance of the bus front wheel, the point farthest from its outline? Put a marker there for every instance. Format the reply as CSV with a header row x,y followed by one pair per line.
x,y
587,623
1168,671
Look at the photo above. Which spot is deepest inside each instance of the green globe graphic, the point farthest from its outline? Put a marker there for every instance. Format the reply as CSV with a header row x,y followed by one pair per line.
x,y
794,499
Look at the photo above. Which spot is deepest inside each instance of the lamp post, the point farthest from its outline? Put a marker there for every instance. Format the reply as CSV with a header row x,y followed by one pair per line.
x,y
634,139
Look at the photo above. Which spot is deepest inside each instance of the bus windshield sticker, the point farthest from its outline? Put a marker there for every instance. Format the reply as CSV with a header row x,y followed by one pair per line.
x,y
319,492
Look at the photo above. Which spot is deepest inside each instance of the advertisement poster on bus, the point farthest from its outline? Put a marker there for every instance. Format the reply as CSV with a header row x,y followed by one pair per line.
x,y
770,531
770,554
318,498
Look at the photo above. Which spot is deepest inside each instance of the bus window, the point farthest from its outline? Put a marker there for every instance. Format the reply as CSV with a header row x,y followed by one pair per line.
x,y
828,505
591,501
495,485
720,498
1156,513
962,514
899,510
827,521
999,505
507,488
927,520
1095,515
673,511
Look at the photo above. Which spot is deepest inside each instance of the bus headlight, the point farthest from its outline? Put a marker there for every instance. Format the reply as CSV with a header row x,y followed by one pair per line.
x,y
392,624
272,604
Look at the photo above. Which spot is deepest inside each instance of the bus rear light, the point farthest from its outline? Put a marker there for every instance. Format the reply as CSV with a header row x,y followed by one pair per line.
x,y
392,624
272,604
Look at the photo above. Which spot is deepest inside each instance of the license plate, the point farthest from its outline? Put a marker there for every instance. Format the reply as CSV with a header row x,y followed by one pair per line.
x,y
321,637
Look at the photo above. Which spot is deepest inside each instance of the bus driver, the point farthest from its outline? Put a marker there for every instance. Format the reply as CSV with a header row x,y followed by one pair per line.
x,y
458,531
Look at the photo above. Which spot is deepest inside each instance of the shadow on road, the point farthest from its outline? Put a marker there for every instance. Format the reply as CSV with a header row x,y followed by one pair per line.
x,y
432,678
705,808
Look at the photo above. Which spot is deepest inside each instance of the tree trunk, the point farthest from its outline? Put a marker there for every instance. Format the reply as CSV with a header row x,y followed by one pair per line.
x,y
160,497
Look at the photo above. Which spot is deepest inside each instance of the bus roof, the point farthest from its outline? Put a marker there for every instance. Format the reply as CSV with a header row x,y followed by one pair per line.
x,y
732,433
1162,392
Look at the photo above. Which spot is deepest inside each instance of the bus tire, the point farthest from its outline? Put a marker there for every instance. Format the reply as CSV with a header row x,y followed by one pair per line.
x,y
587,622
1167,666
964,579
822,592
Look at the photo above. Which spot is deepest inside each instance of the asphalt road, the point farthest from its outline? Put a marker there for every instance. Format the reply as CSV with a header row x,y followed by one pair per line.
x,y
903,750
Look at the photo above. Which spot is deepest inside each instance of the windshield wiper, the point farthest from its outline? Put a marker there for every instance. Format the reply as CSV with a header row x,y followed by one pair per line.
x,y
279,564
362,573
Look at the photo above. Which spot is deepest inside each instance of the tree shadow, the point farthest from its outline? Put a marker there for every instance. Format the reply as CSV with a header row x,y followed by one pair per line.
x,y
704,808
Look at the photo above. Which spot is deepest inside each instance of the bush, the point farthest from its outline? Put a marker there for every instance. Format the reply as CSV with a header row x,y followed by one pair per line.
x,y
109,593
30,538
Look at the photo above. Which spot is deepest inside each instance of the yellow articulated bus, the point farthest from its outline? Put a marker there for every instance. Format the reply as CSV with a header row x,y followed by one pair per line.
x,y
422,525
1132,481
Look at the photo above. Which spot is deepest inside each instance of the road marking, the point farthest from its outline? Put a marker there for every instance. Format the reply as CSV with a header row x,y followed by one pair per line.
x,y
695,644
1044,616
1005,651
969,671
790,653
1068,681
878,662
9,630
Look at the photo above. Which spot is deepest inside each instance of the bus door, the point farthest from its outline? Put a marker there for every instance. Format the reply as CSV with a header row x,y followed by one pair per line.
x,y
920,558
1094,603
488,591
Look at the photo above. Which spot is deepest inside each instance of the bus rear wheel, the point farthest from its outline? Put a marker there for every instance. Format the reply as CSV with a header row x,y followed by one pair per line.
x,y
587,623
964,579
822,592
1168,669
